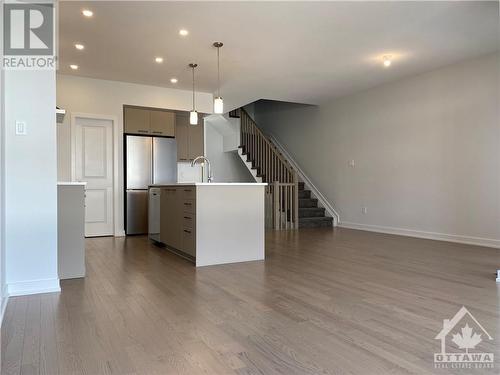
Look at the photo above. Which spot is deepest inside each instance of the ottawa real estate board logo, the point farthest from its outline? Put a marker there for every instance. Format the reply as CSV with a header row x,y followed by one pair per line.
x,y
462,338
28,36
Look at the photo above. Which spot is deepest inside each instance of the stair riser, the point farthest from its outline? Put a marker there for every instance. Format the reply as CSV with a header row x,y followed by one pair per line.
x,y
304,203
316,224
312,213
304,194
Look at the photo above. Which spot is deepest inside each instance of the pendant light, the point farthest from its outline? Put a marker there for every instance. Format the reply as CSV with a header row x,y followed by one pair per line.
x,y
218,102
193,115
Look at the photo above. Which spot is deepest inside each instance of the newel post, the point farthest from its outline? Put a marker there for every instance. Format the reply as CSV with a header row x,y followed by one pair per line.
x,y
296,199
276,205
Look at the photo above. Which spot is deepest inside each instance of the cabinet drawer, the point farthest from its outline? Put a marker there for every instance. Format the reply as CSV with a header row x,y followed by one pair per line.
x,y
189,193
189,206
189,241
189,220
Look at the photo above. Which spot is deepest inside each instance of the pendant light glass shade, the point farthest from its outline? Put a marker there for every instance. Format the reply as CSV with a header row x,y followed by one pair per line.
x,y
193,115
218,102
218,105
193,118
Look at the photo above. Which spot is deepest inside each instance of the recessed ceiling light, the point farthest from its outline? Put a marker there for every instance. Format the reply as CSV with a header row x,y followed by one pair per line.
x,y
74,66
387,59
159,60
87,13
79,46
173,80
183,32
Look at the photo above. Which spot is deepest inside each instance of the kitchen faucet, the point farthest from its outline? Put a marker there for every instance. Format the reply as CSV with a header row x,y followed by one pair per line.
x,y
204,159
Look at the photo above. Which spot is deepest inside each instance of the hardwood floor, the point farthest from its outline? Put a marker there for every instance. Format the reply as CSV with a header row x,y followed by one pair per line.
x,y
324,302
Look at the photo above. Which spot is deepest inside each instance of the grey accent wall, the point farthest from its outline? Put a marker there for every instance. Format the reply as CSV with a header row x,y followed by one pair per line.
x,y
426,151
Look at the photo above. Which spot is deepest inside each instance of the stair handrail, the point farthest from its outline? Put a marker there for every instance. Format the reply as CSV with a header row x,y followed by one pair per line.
x,y
247,121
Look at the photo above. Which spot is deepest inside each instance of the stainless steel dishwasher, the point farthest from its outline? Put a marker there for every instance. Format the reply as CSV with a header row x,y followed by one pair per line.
x,y
154,214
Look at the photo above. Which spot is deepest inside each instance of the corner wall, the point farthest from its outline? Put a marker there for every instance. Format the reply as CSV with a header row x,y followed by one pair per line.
x,y
426,152
30,182
226,163
3,285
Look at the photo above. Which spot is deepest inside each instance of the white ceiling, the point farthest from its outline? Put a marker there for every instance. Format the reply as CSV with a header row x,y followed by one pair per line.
x,y
291,51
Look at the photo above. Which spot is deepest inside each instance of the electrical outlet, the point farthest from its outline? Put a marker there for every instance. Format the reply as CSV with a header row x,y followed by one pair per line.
x,y
21,128
351,163
364,210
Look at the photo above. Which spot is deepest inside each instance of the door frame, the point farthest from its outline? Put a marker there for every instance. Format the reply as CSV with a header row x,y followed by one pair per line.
x,y
115,189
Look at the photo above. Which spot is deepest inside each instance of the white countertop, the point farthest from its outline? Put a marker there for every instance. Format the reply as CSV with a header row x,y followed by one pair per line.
x,y
211,184
64,183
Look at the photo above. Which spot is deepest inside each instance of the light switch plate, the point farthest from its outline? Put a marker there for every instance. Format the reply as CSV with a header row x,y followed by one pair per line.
x,y
21,128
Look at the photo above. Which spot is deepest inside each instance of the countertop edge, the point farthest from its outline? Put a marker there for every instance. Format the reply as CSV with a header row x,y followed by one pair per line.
x,y
71,183
211,184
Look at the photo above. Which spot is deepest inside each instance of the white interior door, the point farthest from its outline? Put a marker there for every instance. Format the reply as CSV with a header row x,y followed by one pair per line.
x,y
94,165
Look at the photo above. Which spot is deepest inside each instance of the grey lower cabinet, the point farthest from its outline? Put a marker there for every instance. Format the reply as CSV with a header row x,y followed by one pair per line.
x,y
178,219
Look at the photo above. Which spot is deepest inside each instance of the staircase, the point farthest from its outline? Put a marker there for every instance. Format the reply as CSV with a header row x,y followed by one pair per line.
x,y
310,215
289,205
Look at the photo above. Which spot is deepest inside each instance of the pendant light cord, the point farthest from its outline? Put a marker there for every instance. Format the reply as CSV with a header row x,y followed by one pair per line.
x,y
193,92
218,72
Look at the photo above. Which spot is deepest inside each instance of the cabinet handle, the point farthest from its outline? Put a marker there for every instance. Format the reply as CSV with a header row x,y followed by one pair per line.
x,y
155,132
187,217
187,204
187,231
188,190
142,131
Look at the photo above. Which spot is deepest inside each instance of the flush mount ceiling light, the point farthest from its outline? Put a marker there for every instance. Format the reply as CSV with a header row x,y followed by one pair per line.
x,y
183,32
87,13
74,66
218,102
79,46
193,115
173,80
159,60
387,60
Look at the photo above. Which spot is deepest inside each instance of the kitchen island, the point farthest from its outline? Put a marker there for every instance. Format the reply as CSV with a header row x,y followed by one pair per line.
x,y
210,223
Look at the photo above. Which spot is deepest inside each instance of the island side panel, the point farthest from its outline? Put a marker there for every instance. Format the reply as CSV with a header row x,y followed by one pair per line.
x,y
229,224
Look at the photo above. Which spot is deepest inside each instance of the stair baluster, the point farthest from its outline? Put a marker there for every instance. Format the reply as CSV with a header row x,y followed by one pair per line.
x,y
282,179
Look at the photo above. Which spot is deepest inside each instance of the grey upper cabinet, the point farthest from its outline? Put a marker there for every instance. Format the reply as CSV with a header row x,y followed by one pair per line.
x,y
162,123
136,120
181,136
195,140
190,138
148,121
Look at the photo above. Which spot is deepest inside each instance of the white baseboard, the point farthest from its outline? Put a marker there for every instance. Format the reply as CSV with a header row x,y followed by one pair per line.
x,y
3,303
24,288
469,240
120,233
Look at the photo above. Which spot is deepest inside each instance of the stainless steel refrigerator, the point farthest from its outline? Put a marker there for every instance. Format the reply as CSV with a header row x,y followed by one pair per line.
x,y
148,160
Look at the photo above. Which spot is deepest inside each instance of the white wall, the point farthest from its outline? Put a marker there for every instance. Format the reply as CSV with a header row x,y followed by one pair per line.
x,y
30,183
3,285
226,165
426,152
93,96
